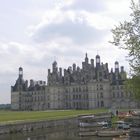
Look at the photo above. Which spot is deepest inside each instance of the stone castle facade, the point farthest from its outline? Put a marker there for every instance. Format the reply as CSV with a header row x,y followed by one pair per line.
x,y
89,87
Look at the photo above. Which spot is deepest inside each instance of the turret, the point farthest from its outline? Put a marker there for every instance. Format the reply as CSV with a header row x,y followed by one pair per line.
x,y
123,73
116,66
60,72
20,78
54,67
97,61
86,59
74,67
32,83
122,68
111,70
106,65
83,66
78,68
117,70
26,84
69,69
20,72
92,62
49,71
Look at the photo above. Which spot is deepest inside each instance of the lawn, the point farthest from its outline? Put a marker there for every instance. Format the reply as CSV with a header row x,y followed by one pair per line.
x,y
19,116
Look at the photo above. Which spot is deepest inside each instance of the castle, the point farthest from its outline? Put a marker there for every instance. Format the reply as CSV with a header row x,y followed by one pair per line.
x,y
89,87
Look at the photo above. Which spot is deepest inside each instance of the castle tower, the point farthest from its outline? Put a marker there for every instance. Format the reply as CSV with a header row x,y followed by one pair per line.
x,y
60,72
54,67
74,67
123,73
97,61
92,62
20,77
116,66
20,72
86,59
122,68
117,70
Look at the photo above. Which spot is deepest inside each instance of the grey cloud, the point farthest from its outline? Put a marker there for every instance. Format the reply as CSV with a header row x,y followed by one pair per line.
x,y
79,33
88,5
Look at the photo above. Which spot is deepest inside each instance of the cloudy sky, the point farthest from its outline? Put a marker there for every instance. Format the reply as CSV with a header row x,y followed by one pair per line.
x,y
34,33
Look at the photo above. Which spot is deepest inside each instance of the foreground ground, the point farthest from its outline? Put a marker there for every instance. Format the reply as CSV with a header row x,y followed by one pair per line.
x,y
16,116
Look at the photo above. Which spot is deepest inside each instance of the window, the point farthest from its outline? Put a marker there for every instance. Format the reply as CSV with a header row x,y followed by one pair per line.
x,y
113,94
76,89
83,89
73,89
66,90
48,105
86,96
86,89
101,95
121,94
101,87
98,104
79,89
117,94
102,103
73,96
66,97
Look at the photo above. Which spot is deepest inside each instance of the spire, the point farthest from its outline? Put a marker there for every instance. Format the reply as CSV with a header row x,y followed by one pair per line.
x,y
86,54
86,59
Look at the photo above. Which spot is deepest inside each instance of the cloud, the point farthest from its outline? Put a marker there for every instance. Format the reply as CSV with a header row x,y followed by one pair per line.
x,y
92,6
79,33
77,27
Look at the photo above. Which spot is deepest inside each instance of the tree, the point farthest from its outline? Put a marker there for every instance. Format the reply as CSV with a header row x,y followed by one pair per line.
x,y
127,36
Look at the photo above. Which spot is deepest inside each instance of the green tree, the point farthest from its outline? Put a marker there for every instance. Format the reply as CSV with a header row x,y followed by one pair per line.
x,y
127,36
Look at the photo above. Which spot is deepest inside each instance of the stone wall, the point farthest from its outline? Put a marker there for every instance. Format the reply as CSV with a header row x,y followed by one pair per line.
x,y
30,126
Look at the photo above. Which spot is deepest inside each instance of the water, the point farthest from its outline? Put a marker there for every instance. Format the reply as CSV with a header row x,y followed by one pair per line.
x,y
53,134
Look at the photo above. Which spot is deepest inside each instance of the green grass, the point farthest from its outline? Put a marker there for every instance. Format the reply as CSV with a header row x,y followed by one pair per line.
x,y
19,116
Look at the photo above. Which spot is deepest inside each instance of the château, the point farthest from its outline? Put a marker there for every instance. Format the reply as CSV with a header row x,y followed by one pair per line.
x,y
89,87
